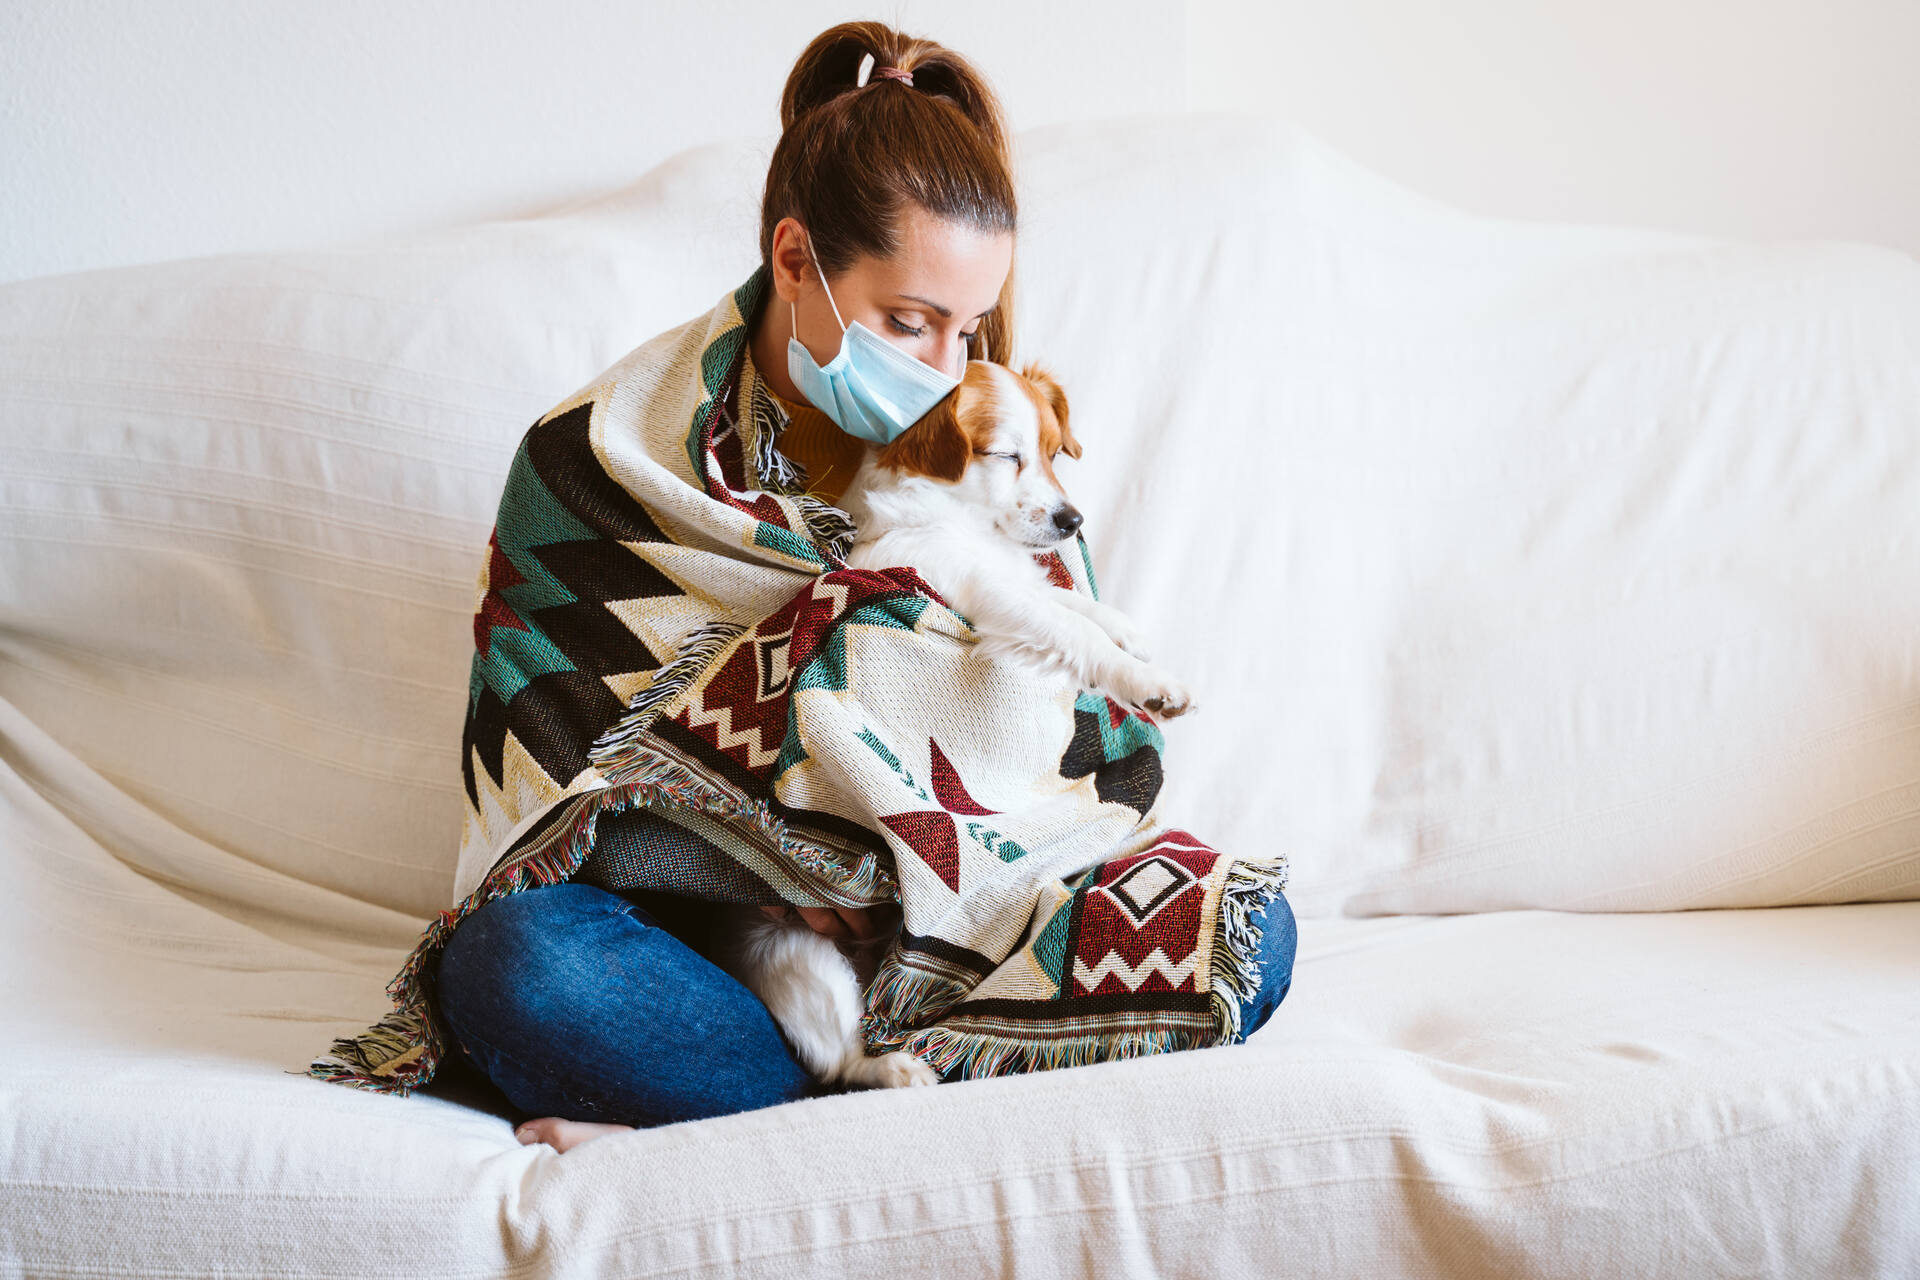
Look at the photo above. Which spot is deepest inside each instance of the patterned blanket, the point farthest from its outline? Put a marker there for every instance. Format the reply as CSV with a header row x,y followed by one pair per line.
x,y
665,619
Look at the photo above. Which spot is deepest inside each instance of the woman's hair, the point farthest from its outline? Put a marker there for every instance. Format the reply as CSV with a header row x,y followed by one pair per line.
x,y
851,157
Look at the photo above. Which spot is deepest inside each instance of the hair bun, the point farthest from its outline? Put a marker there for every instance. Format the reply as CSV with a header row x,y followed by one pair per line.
x,y
832,65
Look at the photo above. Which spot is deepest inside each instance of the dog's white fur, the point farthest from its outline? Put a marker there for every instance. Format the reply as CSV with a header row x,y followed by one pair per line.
x,y
973,539
813,989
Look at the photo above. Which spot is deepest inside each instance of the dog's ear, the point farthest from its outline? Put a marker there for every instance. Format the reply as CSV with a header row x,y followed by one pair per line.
x,y
935,446
1056,398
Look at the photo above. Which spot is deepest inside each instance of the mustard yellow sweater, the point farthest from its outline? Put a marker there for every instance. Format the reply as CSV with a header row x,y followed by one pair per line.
x,y
830,455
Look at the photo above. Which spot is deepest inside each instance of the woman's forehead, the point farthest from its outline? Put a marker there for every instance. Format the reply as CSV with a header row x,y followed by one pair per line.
x,y
944,265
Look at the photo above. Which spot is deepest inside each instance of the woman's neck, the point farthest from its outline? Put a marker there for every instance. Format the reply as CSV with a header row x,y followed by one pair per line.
x,y
767,345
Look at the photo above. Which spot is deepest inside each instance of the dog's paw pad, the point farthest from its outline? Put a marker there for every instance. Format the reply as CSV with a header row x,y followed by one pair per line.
x,y
1174,700
1163,695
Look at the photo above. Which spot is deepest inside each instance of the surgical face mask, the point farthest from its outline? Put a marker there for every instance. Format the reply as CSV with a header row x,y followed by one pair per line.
x,y
871,389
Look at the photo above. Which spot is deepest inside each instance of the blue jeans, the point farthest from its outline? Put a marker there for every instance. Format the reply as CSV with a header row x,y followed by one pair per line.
x,y
583,1003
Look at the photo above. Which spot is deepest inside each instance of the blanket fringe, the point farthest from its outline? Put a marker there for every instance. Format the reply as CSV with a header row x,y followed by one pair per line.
x,y
615,747
968,1055
830,527
404,1049
1235,971
896,991
395,1042
1234,975
624,757
635,766
964,1055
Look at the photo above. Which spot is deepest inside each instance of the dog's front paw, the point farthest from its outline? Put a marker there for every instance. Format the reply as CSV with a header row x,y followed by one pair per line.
x,y
904,1069
896,1070
1130,638
1161,694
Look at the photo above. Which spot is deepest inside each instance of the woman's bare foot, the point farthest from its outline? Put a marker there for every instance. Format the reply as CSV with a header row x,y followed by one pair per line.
x,y
563,1135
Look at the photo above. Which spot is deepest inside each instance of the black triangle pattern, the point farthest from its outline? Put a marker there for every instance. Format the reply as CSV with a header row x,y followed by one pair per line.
x,y
1134,779
557,715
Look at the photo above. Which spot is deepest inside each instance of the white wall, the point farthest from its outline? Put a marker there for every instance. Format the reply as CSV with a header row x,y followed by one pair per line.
x,y
1753,118
134,132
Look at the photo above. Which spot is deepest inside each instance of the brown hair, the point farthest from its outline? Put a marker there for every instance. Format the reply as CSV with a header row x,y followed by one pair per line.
x,y
850,158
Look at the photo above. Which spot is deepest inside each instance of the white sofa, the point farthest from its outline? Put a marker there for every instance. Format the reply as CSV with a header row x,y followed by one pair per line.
x,y
1552,595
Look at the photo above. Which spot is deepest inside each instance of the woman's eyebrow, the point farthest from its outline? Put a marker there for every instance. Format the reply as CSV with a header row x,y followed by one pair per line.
x,y
945,314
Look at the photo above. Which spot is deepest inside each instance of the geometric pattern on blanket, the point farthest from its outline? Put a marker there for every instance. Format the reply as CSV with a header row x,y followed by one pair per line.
x,y
664,618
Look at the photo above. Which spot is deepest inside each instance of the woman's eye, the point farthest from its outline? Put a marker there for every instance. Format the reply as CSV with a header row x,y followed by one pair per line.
x,y
906,329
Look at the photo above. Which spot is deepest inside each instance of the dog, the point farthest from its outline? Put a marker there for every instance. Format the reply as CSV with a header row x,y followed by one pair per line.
x,y
967,497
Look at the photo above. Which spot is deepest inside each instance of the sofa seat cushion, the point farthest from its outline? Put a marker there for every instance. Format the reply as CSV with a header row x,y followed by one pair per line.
x,y
1520,1093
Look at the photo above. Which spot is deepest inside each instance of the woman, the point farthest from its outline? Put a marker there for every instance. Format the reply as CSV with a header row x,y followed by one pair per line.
x,y
595,1008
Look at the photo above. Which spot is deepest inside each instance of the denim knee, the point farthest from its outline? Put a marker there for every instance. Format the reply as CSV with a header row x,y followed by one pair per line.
x,y
579,1003
1279,937
498,954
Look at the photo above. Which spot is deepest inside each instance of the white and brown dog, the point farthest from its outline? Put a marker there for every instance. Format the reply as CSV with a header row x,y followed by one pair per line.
x,y
967,497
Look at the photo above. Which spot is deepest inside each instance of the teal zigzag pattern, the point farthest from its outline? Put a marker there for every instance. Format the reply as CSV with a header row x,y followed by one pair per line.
x,y
827,669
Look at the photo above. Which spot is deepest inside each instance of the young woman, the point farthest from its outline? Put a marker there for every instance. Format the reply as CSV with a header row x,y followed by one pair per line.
x,y
889,203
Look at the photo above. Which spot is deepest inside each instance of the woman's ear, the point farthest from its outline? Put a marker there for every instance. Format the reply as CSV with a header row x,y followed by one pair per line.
x,y
1057,399
935,446
788,259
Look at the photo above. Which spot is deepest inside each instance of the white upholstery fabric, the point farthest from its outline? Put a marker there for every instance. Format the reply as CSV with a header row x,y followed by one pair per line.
x,y
1557,568
247,499
1514,565
1513,1094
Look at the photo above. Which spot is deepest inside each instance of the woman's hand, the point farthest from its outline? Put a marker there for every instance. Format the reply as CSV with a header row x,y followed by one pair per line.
x,y
853,923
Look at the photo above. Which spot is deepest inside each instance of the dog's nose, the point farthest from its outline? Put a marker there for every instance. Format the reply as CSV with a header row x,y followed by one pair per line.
x,y
1067,519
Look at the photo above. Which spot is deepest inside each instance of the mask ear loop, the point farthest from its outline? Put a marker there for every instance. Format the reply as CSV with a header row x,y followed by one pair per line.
x,y
793,316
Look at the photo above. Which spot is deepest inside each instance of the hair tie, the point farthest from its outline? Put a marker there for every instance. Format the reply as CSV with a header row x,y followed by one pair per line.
x,y
868,70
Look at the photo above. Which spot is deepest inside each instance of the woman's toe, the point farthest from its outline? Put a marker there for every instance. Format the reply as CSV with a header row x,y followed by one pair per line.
x,y
563,1135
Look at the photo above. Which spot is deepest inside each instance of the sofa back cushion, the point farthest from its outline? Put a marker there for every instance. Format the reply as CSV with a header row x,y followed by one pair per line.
x,y
247,500
1517,565
1514,565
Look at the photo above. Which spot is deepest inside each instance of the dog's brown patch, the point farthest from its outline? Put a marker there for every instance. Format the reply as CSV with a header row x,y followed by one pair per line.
x,y
1050,402
941,443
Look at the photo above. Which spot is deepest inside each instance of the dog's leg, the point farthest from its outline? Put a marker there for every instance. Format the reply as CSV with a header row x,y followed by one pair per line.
x,y
813,994
1119,627
1031,623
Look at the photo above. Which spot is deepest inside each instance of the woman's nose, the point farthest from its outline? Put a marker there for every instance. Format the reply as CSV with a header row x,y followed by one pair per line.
x,y
951,360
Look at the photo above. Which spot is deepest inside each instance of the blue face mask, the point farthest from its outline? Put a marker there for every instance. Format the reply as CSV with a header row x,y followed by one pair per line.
x,y
871,389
